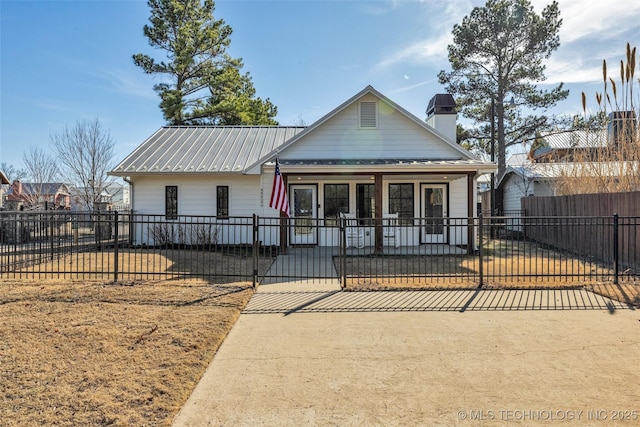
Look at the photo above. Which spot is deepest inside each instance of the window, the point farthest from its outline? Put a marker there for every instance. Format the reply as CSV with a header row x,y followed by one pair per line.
x,y
368,114
365,202
336,200
401,201
171,202
222,201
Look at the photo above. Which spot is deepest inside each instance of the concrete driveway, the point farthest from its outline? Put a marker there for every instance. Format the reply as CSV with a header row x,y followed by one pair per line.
x,y
308,354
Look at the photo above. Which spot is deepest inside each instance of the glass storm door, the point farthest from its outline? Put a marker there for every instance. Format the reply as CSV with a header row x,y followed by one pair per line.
x,y
434,213
303,214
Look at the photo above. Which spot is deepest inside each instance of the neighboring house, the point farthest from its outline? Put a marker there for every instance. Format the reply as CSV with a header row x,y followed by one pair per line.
x,y
115,196
569,146
367,157
559,157
120,196
526,180
4,183
30,196
547,179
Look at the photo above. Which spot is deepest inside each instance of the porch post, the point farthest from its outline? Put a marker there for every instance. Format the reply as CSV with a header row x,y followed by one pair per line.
x,y
378,214
470,211
284,221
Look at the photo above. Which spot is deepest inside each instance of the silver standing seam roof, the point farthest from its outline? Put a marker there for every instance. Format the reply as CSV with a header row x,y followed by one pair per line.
x,y
202,149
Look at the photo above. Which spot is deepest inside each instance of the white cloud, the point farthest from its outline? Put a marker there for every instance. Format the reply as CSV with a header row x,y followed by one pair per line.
x,y
596,20
411,87
591,31
431,50
439,19
134,82
46,105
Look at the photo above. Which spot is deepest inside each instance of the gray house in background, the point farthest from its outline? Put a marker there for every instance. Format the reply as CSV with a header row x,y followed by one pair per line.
x,y
566,155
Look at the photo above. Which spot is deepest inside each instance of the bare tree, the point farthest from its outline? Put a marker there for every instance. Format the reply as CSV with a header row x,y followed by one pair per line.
x,y
41,169
12,173
86,152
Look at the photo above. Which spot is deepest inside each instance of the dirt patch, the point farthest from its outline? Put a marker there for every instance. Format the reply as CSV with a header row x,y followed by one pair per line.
x,y
75,353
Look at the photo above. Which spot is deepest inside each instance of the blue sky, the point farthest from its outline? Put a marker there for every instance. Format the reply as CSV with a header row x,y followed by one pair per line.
x,y
66,61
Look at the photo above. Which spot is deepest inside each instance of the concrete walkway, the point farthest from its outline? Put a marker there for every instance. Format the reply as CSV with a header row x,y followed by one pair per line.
x,y
308,354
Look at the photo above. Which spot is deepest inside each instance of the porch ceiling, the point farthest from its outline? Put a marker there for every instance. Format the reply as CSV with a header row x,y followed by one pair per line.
x,y
383,165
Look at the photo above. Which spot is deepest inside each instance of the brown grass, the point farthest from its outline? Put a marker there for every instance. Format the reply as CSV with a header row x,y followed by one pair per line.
x,y
525,266
87,352
146,264
101,354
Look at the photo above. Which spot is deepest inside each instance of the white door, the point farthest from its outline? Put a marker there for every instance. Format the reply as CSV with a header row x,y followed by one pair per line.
x,y
304,215
434,213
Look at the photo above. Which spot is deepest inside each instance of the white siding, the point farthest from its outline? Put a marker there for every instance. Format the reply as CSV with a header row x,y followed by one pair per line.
x,y
395,137
458,211
514,189
249,194
197,194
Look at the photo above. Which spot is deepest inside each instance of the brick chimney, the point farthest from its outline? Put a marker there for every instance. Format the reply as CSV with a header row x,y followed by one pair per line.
x,y
16,188
442,115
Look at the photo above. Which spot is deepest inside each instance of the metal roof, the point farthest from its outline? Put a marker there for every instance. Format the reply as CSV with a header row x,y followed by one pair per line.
x,y
537,171
204,149
577,139
41,188
242,149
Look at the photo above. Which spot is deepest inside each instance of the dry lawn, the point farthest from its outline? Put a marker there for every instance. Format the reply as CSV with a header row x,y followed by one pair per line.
x,y
505,266
144,264
88,352
82,351
102,354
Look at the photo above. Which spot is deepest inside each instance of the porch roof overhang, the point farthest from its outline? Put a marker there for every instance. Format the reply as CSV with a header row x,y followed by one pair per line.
x,y
345,166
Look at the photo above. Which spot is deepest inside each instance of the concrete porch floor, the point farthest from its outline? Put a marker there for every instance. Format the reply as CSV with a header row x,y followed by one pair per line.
x,y
316,264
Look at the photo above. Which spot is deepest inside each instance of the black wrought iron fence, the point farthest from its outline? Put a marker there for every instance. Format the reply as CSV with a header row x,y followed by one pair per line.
x,y
414,252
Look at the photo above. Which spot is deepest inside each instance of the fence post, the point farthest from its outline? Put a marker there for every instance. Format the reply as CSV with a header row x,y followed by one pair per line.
x,y
51,233
115,247
480,254
616,255
255,250
343,252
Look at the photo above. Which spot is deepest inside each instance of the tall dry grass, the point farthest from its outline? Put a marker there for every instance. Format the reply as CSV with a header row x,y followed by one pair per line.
x,y
614,167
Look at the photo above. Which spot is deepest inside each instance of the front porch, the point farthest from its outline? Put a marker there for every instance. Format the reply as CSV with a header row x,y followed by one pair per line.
x,y
320,264
429,205
389,235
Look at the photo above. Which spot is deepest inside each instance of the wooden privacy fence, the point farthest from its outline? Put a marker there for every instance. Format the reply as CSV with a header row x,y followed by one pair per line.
x,y
583,205
604,226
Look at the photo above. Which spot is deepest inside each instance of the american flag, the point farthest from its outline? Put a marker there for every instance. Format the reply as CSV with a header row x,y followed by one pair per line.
x,y
279,199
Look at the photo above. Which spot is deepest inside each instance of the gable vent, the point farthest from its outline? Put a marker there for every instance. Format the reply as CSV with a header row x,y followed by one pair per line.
x,y
368,114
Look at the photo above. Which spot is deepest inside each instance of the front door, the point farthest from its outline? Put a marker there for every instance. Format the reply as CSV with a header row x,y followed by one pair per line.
x,y
304,214
434,213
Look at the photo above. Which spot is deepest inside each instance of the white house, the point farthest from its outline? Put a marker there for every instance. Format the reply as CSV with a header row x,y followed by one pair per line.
x,y
368,157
